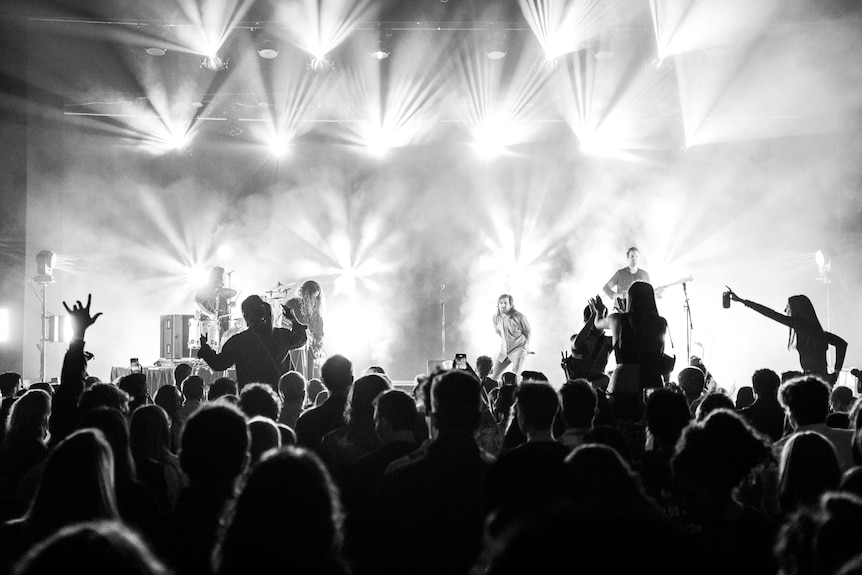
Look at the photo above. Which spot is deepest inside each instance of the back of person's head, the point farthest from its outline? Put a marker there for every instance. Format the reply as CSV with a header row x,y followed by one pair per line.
x,y
181,372
808,468
95,548
214,445
600,477
610,436
103,395
717,453
256,312
265,435
46,386
193,388
691,380
819,540
115,426
841,399
397,408
359,409
169,398
509,378
9,382
641,299
484,364
28,418
529,376
537,405
791,374
135,384
220,387
372,369
287,434
455,402
260,399
765,383
579,402
149,432
806,399
77,484
667,414
712,402
337,374
799,306
291,386
288,508
744,397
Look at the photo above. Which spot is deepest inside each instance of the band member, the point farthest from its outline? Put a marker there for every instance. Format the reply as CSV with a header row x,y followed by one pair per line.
x,y
618,286
514,331
307,306
806,335
262,352
213,302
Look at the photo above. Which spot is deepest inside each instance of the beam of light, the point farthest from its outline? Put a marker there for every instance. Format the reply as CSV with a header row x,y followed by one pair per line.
x,y
210,24
615,107
198,276
565,27
502,107
684,26
320,27
392,98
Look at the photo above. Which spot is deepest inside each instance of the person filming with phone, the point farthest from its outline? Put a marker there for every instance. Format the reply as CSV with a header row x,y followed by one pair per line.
x,y
806,335
514,331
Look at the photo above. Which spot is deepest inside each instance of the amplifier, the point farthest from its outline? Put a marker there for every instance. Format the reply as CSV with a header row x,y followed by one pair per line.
x,y
174,338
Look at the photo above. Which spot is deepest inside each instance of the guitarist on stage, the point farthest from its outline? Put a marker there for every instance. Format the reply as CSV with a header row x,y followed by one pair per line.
x,y
618,286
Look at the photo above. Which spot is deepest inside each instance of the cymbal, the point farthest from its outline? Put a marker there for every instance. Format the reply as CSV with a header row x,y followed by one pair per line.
x,y
226,293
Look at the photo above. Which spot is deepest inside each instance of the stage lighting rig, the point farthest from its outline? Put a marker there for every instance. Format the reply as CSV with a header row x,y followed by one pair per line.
x,y
381,45
268,49
214,63
496,44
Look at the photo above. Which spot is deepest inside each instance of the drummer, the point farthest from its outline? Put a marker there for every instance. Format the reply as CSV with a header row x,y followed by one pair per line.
x,y
213,301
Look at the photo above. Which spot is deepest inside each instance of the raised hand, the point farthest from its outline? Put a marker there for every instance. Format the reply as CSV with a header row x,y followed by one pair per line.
x,y
733,295
204,340
81,318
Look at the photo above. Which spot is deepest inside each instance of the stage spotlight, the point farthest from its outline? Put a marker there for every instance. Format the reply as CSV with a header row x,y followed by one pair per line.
x,y
381,45
156,51
824,261
320,64
277,147
45,261
268,49
496,45
198,276
214,63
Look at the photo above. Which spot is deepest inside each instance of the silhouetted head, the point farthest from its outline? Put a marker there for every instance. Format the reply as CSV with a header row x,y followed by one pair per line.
x,y
641,299
256,312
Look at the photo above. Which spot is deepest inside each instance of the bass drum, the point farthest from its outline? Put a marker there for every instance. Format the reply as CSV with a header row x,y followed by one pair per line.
x,y
194,334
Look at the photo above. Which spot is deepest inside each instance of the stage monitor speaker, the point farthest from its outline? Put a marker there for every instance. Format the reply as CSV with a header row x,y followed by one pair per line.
x,y
175,336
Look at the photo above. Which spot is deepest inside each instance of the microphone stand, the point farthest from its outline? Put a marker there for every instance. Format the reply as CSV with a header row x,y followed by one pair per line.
x,y
688,324
443,318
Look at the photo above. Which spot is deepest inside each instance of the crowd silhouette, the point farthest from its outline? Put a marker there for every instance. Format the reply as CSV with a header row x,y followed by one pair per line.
x,y
617,472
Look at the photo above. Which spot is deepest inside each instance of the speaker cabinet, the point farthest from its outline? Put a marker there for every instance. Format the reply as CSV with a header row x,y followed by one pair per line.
x,y
175,336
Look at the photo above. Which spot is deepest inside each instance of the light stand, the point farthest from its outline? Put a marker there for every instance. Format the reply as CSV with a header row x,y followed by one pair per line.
x,y
443,319
824,266
45,275
689,327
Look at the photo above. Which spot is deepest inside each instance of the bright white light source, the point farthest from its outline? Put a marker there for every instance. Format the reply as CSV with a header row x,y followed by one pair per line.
x,y
198,276
277,146
379,141
491,137
224,251
214,63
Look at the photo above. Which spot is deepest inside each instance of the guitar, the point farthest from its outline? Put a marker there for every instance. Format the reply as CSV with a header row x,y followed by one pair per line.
x,y
620,299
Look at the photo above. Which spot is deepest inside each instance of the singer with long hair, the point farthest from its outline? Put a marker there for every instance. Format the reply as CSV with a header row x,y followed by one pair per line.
x,y
308,307
805,334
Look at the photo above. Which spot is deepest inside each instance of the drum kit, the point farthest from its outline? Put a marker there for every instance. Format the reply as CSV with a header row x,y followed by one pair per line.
x,y
218,330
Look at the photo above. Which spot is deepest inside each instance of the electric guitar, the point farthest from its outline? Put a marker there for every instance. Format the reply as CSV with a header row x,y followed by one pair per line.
x,y
620,299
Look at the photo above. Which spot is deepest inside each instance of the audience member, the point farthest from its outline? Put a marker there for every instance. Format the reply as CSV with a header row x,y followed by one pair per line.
x,y
712,459
95,548
181,372
135,385
260,399
77,484
193,395
429,509
667,414
313,389
291,387
287,518
808,468
840,402
24,447
158,468
579,402
221,387
10,383
806,404
214,455
711,402
265,435
170,399
744,397
692,382
766,415
313,424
